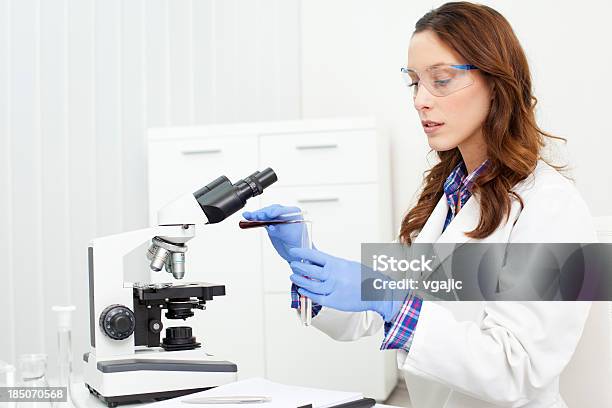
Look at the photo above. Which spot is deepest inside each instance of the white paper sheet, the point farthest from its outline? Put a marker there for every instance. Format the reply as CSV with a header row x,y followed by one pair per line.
x,y
285,396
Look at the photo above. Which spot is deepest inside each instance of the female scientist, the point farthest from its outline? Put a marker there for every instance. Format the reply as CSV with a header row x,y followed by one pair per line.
x,y
472,90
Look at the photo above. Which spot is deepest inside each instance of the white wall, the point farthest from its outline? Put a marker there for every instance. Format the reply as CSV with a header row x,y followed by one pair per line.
x,y
352,51
80,81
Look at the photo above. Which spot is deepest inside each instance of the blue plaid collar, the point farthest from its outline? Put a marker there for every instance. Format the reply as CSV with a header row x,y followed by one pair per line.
x,y
457,179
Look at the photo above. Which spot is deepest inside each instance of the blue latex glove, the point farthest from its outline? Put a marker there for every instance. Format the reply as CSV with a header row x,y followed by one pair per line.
x,y
336,283
284,236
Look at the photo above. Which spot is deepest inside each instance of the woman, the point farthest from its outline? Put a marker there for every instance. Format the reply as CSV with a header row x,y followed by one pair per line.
x,y
472,91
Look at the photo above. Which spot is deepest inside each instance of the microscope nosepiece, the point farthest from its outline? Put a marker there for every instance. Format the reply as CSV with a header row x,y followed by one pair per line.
x,y
165,254
157,255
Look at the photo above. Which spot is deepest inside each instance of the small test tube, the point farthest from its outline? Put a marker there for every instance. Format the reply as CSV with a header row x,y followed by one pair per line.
x,y
306,302
306,310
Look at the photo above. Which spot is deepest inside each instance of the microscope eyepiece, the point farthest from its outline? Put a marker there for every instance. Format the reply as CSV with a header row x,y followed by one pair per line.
x,y
221,198
267,177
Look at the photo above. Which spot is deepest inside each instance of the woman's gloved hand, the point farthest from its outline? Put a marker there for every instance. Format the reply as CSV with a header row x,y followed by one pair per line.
x,y
283,236
336,283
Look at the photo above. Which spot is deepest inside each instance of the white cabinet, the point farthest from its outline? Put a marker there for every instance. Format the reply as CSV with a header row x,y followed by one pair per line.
x,y
336,170
322,157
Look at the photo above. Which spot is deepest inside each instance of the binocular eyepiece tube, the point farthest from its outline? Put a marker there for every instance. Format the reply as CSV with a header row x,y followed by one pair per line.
x,y
167,255
221,198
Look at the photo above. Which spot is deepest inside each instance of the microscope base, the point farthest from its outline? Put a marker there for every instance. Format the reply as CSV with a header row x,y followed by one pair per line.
x,y
152,378
112,402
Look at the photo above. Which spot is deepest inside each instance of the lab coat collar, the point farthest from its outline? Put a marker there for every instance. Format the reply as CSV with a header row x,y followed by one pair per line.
x,y
465,221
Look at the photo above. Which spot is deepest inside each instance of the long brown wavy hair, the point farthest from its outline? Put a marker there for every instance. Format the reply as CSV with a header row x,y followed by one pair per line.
x,y
484,38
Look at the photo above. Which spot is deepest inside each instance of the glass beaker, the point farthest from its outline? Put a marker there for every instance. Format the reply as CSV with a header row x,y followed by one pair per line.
x,y
7,379
33,373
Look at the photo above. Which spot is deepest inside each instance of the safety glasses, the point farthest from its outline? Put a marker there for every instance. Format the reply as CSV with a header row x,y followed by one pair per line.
x,y
440,79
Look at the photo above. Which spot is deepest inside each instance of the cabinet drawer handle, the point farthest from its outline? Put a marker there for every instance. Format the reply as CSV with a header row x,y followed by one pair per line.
x,y
201,151
319,146
318,200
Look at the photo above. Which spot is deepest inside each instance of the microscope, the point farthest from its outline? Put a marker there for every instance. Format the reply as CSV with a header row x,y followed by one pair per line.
x,y
127,362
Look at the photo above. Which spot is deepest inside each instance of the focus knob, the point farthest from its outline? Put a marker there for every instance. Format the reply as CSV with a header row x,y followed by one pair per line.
x,y
117,322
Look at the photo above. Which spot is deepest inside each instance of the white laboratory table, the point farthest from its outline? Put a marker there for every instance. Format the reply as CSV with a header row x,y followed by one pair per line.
x,y
86,400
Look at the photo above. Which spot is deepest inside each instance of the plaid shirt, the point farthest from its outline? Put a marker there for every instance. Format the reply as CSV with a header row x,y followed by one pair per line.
x,y
458,188
400,331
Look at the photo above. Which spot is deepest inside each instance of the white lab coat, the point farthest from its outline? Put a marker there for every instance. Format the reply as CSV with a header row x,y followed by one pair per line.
x,y
490,354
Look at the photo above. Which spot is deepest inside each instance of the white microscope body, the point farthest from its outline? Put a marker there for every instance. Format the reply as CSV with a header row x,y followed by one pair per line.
x,y
127,362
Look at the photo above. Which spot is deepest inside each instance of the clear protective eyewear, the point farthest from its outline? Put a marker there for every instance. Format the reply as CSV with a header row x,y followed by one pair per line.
x,y
440,79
